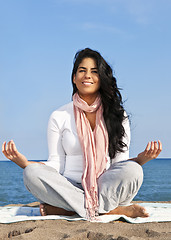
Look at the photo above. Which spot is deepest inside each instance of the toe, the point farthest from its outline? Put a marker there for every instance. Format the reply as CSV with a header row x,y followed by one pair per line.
x,y
42,210
145,213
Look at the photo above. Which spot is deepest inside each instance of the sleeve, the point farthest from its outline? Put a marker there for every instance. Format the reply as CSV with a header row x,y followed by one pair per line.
x,y
121,156
54,135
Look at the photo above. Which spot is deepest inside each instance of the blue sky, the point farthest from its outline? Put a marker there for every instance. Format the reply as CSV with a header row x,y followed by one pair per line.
x,y
38,40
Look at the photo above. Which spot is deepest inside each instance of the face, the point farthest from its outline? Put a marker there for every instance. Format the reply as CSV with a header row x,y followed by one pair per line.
x,y
87,78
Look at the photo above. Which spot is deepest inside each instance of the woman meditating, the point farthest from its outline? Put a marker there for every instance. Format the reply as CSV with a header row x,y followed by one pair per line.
x,y
88,171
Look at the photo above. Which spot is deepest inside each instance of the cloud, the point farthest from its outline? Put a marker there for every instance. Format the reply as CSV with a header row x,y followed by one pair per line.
x,y
101,27
140,10
105,28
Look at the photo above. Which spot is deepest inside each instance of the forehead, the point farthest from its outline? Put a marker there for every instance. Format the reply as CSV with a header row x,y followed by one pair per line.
x,y
88,62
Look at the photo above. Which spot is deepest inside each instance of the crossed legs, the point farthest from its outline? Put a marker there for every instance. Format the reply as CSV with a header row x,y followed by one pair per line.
x,y
58,196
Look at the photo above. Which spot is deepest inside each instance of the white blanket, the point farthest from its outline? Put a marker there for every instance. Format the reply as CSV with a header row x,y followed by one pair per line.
x,y
159,212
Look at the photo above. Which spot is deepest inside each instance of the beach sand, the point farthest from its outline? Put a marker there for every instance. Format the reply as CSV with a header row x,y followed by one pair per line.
x,y
80,230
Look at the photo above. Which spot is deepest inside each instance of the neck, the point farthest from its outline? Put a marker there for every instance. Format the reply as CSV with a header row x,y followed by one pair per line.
x,y
89,99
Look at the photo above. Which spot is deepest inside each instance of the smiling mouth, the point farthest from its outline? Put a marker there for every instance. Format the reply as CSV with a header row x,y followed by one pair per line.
x,y
87,83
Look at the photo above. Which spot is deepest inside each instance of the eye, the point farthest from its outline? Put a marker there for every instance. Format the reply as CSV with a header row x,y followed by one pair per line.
x,y
94,71
81,70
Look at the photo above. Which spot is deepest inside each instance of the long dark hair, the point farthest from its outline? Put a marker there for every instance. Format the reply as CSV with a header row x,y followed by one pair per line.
x,y
113,111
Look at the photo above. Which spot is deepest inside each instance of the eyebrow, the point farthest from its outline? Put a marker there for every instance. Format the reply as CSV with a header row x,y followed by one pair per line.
x,y
85,68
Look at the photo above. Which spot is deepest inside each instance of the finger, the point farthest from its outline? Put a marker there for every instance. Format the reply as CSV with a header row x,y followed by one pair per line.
x,y
4,150
14,149
8,148
151,148
148,147
159,147
3,147
156,147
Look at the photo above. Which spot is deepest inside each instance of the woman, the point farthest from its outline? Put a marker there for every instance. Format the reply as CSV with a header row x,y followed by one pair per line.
x,y
88,171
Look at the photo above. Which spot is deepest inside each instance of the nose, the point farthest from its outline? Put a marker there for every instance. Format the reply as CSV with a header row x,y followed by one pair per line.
x,y
88,75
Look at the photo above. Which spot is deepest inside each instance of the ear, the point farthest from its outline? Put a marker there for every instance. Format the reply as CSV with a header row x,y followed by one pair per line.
x,y
74,78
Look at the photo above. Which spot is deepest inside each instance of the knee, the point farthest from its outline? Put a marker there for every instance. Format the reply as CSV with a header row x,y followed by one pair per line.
x,y
37,174
133,176
31,173
122,172
30,170
133,170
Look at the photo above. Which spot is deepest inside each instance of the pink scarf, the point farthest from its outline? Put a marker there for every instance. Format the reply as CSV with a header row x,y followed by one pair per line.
x,y
95,148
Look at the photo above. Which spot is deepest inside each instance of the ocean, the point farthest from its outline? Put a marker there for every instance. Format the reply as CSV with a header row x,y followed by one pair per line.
x,y
156,185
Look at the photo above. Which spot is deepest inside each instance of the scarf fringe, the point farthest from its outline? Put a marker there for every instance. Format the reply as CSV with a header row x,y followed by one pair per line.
x,y
92,205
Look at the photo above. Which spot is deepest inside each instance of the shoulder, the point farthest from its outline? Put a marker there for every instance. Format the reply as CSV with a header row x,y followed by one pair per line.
x,y
62,113
67,108
126,125
126,118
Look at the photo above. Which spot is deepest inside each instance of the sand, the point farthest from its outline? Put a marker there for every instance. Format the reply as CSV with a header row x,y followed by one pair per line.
x,y
80,230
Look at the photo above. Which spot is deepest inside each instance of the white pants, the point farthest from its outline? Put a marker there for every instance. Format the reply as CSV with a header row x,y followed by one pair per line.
x,y
116,187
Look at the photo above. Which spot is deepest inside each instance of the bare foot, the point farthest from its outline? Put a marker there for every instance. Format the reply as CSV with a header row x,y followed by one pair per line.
x,y
133,211
46,209
42,209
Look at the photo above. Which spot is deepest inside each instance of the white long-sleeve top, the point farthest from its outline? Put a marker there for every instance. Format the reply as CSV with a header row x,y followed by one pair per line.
x,y
65,152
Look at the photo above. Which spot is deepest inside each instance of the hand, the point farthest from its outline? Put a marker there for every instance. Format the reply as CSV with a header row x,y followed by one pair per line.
x,y
152,151
10,151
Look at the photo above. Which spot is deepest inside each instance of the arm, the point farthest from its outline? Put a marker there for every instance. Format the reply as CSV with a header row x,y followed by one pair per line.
x,y
152,150
121,156
10,151
55,130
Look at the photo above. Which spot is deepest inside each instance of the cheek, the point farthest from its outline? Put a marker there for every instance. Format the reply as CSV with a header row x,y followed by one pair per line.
x,y
77,78
77,82
98,81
